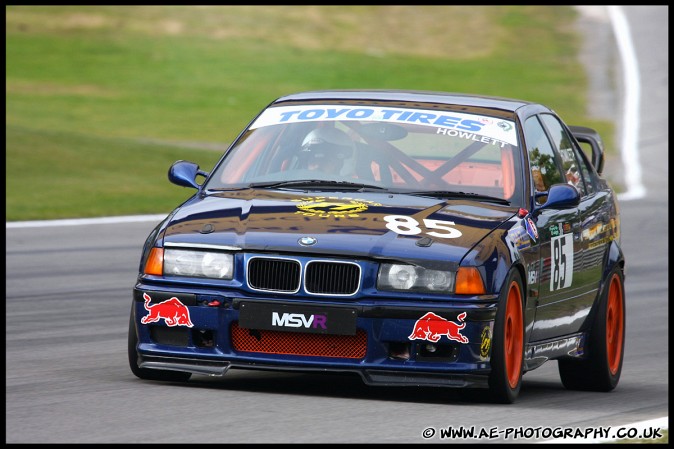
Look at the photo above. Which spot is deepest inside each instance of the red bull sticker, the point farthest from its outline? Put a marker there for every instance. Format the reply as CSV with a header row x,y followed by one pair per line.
x,y
172,311
432,327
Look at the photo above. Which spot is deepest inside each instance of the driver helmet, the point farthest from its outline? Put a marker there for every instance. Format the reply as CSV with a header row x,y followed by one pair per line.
x,y
327,144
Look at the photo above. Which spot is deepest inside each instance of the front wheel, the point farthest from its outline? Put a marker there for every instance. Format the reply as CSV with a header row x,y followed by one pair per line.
x,y
601,370
507,354
149,374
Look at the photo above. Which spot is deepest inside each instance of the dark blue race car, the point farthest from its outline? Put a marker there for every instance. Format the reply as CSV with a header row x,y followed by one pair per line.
x,y
414,238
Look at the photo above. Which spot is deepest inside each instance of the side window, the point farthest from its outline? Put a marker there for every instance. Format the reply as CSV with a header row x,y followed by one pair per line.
x,y
545,169
564,145
586,149
585,165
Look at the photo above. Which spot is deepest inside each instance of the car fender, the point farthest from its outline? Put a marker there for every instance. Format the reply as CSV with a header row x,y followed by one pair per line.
x,y
500,251
614,256
155,236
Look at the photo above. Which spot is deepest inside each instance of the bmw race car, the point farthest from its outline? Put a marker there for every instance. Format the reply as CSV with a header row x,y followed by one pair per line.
x,y
414,238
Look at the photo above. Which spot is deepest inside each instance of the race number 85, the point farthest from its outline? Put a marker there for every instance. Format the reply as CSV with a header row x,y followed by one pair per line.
x,y
404,225
561,262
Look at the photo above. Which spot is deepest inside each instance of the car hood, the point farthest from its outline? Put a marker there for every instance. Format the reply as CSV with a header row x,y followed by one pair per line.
x,y
347,224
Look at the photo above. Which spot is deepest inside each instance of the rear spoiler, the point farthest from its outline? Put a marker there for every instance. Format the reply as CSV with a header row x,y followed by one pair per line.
x,y
592,138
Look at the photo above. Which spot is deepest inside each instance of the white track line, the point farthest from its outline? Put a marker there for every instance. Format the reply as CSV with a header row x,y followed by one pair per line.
x,y
84,221
630,122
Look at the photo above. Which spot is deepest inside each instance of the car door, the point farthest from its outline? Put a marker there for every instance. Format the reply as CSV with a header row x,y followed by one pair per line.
x,y
600,222
595,211
561,303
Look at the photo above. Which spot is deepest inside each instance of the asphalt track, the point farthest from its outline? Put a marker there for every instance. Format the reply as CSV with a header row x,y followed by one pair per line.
x,y
69,295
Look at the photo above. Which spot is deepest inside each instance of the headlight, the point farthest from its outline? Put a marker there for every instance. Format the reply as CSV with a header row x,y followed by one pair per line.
x,y
411,277
181,262
401,277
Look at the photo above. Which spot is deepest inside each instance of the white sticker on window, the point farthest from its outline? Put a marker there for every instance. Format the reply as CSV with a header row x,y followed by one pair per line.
x,y
497,129
561,262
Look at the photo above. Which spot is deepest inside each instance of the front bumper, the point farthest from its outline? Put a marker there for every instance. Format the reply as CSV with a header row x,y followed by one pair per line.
x,y
391,345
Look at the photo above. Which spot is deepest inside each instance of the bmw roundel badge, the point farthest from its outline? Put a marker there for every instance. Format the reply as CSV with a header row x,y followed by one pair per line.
x,y
307,241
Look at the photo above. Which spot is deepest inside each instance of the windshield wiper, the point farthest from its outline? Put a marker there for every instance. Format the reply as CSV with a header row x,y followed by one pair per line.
x,y
451,194
315,183
225,189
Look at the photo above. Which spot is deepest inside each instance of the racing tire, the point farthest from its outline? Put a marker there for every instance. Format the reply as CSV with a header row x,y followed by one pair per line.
x,y
507,356
600,371
145,373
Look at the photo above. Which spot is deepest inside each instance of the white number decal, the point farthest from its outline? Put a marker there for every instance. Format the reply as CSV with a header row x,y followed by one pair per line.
x,y
404,225
451,233
401,224
561,261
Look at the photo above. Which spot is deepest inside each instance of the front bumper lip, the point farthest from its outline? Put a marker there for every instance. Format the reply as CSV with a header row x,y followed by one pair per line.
x,y
386,322
375,377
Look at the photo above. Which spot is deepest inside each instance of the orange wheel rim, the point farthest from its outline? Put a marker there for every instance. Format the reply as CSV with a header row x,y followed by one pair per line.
x,y
513,338
615,325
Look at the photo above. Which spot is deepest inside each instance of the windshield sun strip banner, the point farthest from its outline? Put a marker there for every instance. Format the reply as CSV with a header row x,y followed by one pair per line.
x,y
498,129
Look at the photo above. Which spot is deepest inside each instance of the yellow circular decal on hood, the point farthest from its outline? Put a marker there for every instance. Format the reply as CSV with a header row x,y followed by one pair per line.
x,y
322,206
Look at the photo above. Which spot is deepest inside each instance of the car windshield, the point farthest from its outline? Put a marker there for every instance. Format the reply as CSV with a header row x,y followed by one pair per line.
x,y
392,149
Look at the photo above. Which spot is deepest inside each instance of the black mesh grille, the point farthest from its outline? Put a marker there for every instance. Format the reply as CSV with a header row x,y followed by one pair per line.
x,y
274,274
297,343
332,278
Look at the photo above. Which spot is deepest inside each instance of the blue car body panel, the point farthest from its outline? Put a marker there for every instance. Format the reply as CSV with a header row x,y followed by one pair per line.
x,y
193,324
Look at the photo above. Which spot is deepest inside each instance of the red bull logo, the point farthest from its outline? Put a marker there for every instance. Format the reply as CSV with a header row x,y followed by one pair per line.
x,y
431,327
174,312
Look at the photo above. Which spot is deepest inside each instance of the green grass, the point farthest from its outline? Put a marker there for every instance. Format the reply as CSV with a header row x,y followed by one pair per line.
x,y
73,174
100,100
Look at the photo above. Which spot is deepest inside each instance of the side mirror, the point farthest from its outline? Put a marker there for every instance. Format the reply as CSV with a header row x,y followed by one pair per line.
x,y
591,137
184,173
561,196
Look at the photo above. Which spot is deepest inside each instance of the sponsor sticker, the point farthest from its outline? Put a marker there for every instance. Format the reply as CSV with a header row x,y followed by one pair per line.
x,y
291,318
432,327
330,206
532,274
172,311
520,238
555,230
485,344
531,228
470,124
